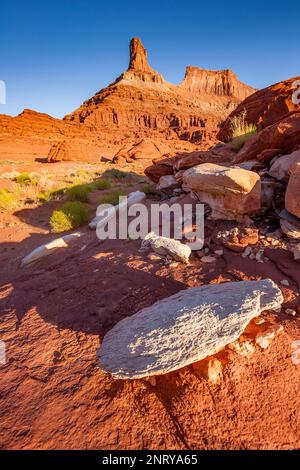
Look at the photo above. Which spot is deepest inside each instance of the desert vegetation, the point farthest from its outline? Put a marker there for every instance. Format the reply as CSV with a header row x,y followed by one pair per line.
x,y
241,130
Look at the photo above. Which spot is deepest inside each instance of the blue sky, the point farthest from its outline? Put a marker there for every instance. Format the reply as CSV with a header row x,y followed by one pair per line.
x,y
55,54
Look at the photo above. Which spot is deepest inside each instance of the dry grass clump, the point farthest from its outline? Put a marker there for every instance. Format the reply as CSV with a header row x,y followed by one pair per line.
x,y
241,130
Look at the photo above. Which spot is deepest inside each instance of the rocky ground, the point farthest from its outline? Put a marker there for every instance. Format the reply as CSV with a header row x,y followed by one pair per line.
x,y
56,311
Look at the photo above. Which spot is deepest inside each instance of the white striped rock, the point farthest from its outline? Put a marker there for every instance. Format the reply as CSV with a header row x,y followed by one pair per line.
x,y
184,328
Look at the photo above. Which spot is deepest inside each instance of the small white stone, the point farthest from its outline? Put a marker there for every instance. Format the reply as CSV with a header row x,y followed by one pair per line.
x,y
290,311
247,252
284,282
208,259
219,252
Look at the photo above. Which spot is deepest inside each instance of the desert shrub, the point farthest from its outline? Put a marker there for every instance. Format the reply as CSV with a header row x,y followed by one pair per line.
x,y
102,184
25,179
71,215
8,200
46,196
116,173
80,192
112,198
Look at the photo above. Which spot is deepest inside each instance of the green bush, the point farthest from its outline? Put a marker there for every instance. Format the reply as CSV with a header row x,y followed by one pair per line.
x,y
25,179
112,198
7,200
115,173
71,215
102,184
46,196
80,192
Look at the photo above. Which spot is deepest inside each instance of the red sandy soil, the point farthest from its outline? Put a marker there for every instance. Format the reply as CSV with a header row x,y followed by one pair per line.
x,y
54,314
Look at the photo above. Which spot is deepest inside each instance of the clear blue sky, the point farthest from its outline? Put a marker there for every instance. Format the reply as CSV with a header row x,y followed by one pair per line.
x,y
55,54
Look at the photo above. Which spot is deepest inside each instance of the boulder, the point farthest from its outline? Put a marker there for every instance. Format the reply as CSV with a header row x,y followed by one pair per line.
x,y
280,169
292,195
230,192
167,247
184,328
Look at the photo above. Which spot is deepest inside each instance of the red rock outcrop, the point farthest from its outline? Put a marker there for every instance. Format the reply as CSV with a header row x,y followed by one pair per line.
x,y
265,107
281,137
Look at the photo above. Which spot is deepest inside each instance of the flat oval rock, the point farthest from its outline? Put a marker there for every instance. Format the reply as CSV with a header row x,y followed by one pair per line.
x,y
184,328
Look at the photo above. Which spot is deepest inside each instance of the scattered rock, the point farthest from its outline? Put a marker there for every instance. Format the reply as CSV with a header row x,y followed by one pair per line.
x,y
184,328
208,259
265,338
210,370
291,312
219,252
284,282
244,348
290,225
237,238
296,252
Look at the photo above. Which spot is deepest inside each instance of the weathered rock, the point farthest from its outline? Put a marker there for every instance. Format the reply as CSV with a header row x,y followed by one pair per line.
x,y
167,246
209,369
281,137
49,248
292,195
167,182
290,225
280,169
184,328
230,192
296,252
265,338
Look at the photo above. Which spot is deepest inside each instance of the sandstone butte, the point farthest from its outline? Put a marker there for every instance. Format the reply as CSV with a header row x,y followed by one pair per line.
x,y
139,105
